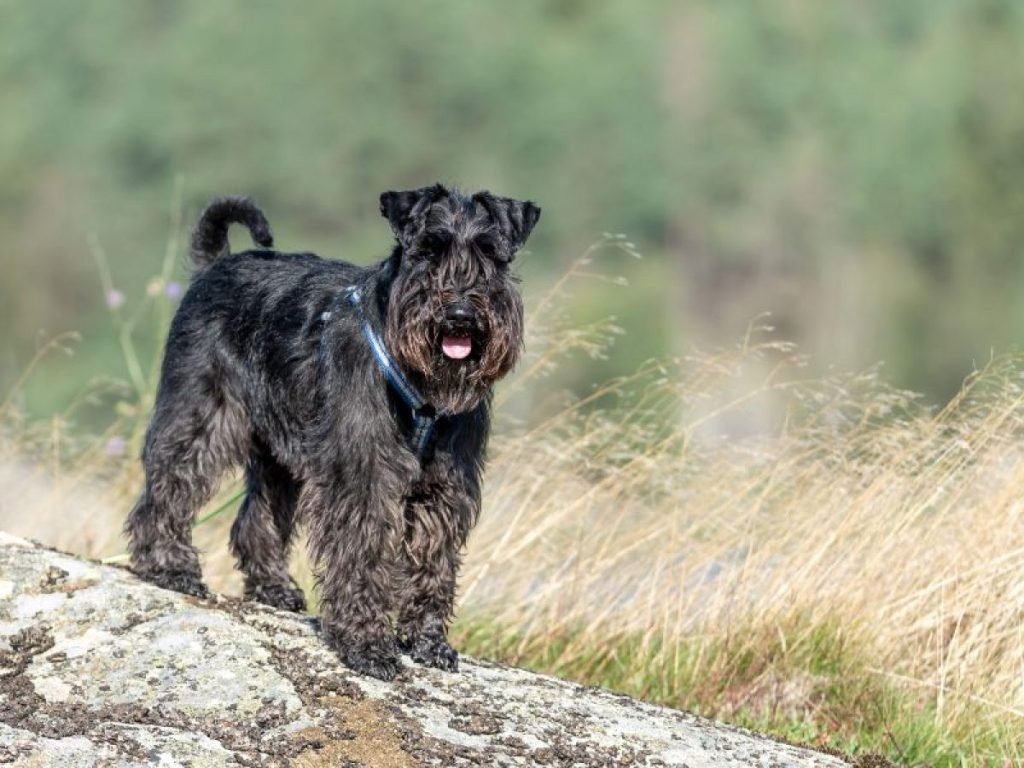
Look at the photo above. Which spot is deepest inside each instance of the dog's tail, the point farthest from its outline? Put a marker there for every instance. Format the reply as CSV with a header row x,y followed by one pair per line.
x,y
210,236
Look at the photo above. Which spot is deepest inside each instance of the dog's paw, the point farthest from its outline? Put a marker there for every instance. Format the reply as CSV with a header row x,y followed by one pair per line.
x,y
432,651
278,596
379,660
186,582
377,657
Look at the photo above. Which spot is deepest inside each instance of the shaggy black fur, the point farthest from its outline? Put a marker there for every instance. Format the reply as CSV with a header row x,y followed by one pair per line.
x,y
267,365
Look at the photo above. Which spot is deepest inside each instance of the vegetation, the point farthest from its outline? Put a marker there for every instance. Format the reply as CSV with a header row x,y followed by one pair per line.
x,y
848,580
852,168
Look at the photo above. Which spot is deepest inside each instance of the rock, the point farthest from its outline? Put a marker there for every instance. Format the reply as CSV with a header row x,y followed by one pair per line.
x,y
98,668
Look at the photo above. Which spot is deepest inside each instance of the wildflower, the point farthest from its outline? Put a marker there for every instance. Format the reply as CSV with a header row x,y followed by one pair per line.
x,y
115,446
154,287
173,290
114,298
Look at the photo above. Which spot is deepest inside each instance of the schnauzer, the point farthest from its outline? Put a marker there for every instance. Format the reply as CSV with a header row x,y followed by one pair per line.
x,y
358,401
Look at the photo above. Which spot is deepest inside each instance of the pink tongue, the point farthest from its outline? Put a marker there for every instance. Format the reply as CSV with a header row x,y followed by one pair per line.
x,y
457,347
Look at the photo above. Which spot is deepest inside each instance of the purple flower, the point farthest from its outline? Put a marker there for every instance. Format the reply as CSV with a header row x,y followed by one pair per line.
x,y
114,298
115,446
173,290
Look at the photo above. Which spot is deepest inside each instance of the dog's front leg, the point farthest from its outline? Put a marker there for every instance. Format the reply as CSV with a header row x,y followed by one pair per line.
x,y
354,533
438,518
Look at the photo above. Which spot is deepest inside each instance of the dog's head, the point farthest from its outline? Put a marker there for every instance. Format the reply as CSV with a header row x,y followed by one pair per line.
x,y
454,317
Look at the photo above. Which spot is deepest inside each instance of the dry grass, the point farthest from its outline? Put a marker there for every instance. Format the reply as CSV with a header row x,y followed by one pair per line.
x,y
733,568
847,573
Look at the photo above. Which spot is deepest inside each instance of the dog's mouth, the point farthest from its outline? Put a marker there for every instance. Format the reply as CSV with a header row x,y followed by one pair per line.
x,y
457,345
462,340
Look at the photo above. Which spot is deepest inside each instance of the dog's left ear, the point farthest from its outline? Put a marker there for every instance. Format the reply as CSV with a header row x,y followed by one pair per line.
x,y
522,216
399,207
515,218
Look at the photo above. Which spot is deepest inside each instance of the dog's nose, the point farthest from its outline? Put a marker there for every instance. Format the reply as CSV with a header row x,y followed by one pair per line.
x,y
460,313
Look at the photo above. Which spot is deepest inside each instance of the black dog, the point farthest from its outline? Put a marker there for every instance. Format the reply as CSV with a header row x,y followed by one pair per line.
x,y
357,399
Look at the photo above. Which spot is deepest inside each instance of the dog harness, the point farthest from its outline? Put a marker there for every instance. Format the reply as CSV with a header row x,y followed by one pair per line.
x,y
424,415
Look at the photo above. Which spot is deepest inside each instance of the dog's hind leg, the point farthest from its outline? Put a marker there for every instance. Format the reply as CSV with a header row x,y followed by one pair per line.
x,y
263,530
190,443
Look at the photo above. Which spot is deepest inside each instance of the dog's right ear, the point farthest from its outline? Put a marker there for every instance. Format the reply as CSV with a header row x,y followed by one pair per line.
x,y
399,208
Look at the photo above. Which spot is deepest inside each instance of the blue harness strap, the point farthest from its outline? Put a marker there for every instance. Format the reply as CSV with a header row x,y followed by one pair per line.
x,y
424,415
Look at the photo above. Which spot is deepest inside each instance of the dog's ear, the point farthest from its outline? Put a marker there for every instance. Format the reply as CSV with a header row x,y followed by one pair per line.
x,y
515,218
523,215
399,208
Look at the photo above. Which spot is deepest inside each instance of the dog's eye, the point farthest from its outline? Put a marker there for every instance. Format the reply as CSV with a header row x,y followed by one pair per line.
x,y
435,243
486,247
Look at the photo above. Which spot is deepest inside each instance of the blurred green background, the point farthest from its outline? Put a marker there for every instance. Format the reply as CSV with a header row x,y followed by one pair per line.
x,y
856,169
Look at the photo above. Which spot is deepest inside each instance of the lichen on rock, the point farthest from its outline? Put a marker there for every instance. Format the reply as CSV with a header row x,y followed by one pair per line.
x,y
98,668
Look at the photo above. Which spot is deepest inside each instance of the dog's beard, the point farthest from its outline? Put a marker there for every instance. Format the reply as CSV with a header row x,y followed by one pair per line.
x,y
455,368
